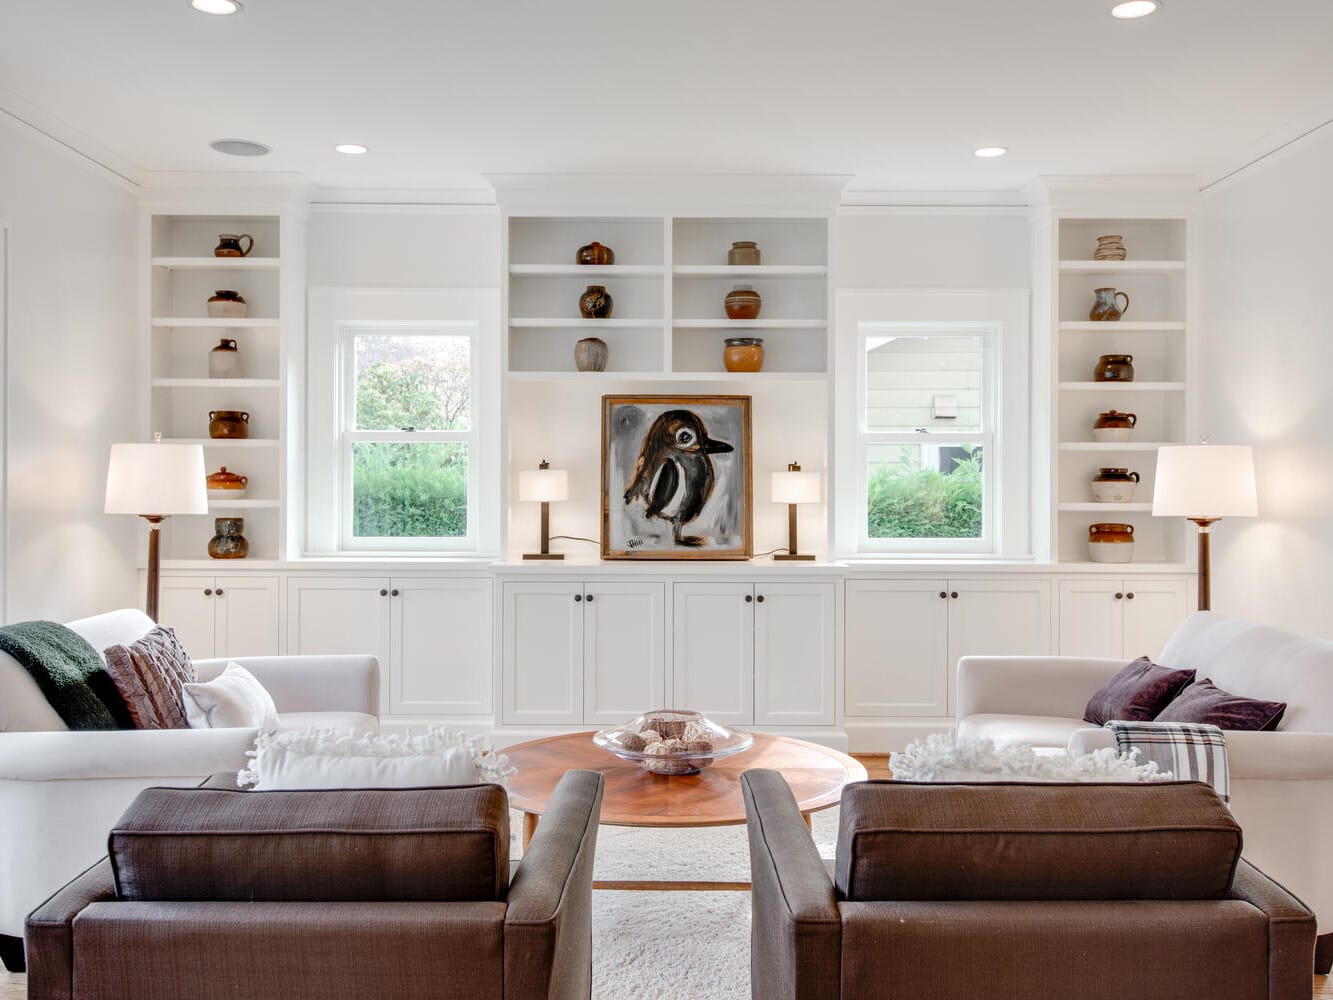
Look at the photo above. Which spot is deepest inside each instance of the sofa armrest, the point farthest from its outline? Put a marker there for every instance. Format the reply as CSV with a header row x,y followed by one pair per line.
x,y
49,937
548,922
311,683
1291,931
1030,685
150,754
797,930
1251,756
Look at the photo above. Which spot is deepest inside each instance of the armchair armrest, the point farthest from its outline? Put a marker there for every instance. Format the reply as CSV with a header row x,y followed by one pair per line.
x,y
1291,930
311,683
1030,685
548,922
150,754
797,928
50,932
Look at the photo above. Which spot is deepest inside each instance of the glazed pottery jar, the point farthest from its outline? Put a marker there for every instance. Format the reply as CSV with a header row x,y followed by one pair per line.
x,y
224,361
743,253
1107,306
743,354
228,424
1110,542
1114,368
227,304
590,355
1114,486
229,245
595,253
1110,248
743,302
228,541
224,485
1113,425
596,303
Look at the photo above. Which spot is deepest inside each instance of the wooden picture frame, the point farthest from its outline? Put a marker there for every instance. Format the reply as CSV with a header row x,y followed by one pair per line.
x,y
676,477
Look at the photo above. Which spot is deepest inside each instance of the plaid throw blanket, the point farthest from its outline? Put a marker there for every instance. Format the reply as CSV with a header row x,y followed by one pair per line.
x,y
1191,751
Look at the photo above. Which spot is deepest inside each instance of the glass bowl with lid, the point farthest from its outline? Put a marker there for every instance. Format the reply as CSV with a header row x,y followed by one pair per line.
x,y
672,741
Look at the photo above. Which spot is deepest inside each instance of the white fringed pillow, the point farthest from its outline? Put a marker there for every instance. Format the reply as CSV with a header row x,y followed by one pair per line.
x,y
233,699
942,757
339,758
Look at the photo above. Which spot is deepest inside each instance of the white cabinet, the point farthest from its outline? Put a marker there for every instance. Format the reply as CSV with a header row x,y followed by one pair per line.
x,y
582,652
224,616
713,650
1120,618
904,638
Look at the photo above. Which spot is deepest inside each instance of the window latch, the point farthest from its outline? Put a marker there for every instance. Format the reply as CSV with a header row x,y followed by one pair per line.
x,y
923,430
410,429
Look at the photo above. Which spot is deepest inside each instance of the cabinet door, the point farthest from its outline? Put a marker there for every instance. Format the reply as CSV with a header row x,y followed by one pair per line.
x,y
543,653
713,650
794,654
441,663
624,650
247,619
188,605
1153,610
340,615
896,647
1091,617
998,618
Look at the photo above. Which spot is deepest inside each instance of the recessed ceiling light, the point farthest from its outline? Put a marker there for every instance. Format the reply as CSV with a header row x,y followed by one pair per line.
x,y
351,148
987,152
1135,8
217,6
240,147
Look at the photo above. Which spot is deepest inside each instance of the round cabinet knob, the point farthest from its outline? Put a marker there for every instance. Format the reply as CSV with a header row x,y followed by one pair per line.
x,y
588,598
760,598
1119,597
954,594
748,598
944,596
1130,595
219,592
393,593
384,593
578,598
208,591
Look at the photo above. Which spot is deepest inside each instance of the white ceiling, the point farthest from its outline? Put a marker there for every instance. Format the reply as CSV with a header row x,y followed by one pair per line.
x,y
896,93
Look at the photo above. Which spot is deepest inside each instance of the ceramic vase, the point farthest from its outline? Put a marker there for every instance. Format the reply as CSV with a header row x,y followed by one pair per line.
x,y
228,541
590,355
743,302
229,245
1114,368
596,303
228,424
1114,486
224,361
1110,543
595,253
1107,308
743,354
743,253
227,304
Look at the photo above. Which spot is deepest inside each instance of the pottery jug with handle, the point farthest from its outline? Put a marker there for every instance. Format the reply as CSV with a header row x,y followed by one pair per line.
x,y
229,245
1107,307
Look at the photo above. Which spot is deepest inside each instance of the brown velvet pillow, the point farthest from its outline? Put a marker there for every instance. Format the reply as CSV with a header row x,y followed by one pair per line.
x,y
1206,702
149,674
1136,694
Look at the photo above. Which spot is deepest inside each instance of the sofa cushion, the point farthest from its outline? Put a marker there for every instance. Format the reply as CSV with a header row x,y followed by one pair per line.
x,y
23,707
221,843
910,841
1137,693
1205,702
1020,730
233,699
149,674
356,721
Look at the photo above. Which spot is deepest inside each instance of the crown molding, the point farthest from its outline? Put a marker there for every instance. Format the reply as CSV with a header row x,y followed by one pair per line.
x,y
54,134
1271,150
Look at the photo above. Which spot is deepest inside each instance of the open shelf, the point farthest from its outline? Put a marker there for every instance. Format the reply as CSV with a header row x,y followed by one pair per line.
x,y
1120,266
242,504
218,263
220,324
750,271
587,270
1122,386
672,376
216,383
1121,326
605,324
227,442
1092,507
750,324
1113,445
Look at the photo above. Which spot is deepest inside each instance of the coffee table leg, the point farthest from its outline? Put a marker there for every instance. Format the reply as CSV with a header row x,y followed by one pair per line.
x,y
530,827
808,825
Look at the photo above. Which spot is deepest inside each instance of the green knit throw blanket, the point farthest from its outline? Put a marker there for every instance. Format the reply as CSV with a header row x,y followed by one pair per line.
x,y
69,672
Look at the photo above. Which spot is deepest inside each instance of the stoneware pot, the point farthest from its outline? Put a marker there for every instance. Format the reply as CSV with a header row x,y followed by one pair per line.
x,y
595,253
229,245
227,304
743,253
1114,426
224,361
1110,542
1114,368
228,542
1110,248
224,485
743,354
590,355
596,303
1114,486
228,424
1107,307
743,302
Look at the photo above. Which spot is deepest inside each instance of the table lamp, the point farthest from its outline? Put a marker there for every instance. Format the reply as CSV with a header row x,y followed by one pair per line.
x,y
155,481
544,485
1204,483
793,487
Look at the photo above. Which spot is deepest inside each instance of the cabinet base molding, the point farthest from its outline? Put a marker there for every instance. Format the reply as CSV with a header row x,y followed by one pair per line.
x,y
890,735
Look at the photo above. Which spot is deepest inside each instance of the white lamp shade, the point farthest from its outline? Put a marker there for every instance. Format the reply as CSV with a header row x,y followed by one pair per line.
x,y
156,479
795,487
543,485
1206,480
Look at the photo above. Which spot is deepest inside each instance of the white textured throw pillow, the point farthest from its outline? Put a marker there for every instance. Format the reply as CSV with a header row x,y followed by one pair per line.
x,y
337,758
942,757
233,699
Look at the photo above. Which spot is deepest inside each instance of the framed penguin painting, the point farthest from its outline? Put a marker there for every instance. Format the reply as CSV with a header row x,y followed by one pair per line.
x,y
676,477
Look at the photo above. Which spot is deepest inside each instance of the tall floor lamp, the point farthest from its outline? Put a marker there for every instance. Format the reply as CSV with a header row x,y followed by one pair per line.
x,y
1205,483
155,481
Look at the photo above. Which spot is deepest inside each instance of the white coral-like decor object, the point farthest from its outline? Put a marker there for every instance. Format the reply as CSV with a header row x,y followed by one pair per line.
x,y
943,757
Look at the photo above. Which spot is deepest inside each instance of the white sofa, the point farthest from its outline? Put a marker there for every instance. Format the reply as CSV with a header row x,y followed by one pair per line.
x,y
61,791
1281,782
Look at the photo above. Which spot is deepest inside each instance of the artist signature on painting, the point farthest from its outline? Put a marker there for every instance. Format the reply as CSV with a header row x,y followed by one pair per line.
x,y
633,543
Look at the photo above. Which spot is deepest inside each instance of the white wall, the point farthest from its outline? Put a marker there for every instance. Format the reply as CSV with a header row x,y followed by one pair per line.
x,y
917,249
410,248
72,378
1265,367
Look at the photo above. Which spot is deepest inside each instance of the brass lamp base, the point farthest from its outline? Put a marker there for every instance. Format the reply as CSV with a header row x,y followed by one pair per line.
x,y
546,552
543,555
793,557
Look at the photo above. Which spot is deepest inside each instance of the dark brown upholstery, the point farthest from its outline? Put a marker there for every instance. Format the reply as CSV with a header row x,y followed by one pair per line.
x,y
904,840
812,943
534,943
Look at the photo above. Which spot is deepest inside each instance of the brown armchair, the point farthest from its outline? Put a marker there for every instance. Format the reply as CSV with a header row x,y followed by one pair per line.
x,y
1021,891
212,893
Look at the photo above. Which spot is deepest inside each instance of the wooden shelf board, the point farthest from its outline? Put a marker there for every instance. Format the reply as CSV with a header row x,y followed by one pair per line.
x,y
750,271
1122,386
672,376
750,324
586,270
605,324
227,442
1120,266
216,383
218,263
1114,445
220,324
1120,326
1091,507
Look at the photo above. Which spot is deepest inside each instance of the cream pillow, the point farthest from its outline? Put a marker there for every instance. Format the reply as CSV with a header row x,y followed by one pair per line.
x,y
233,699
339,758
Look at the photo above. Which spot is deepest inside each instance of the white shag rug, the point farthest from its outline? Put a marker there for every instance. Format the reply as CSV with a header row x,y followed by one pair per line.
x,y
685,945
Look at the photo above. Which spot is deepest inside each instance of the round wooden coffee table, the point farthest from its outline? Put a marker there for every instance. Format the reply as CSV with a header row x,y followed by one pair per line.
x,y
635,797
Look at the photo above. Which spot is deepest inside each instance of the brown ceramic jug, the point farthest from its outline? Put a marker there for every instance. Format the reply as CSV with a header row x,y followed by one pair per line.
x,y
224,485
228,541
228,424
1114,368
743,302
1114,485
229,245
1111,542
1112,425
595,253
